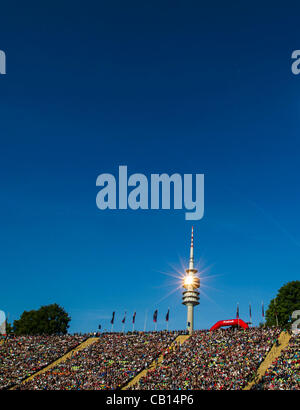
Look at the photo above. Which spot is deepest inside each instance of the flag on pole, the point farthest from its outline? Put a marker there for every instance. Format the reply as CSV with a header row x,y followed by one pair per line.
x,y
237,312
113,318
167,315
155,316
133,319
123,321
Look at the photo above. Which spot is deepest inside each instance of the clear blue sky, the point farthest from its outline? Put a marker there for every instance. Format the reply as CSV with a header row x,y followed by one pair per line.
x,y
159,87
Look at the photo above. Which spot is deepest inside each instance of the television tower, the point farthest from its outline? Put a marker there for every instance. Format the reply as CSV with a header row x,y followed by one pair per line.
x,y
191,283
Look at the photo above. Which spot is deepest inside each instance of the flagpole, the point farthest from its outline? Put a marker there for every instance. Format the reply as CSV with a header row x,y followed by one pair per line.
x,y
155,319
145,320
124,321
133,321
168,319
112,321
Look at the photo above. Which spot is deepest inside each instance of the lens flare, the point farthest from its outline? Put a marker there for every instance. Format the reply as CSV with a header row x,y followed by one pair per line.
x,y
188,280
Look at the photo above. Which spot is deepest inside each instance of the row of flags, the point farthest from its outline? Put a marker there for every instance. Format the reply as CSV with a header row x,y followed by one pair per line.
x,y
155,314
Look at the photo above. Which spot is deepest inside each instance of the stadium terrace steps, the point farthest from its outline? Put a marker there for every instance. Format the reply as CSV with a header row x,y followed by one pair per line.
x,y
179,340
275,352
63,358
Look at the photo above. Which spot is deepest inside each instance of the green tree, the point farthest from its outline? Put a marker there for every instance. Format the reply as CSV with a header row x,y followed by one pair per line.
x,y
283,305
49,320
9,328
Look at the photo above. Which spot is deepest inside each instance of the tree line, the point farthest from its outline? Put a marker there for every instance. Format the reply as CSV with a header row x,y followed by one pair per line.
x,y
47,320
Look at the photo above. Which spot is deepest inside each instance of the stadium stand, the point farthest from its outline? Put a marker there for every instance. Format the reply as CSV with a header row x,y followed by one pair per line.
x,y
63,358
23,356
284,372
220,360
107,364
178,341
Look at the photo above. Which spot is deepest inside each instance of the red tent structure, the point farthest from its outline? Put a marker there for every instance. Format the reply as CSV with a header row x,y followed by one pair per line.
x,y
230,322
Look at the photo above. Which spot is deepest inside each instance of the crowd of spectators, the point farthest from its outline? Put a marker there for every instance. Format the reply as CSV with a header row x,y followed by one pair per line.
x,y
225,359
284,372
220,360
109,363
22,356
